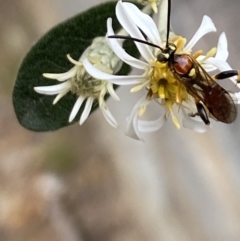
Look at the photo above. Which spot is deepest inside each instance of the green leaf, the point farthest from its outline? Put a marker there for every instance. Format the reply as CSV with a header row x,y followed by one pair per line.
x,y
35,111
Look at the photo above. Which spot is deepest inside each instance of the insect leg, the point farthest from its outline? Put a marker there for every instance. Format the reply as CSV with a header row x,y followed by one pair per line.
x,y
227,74
201,112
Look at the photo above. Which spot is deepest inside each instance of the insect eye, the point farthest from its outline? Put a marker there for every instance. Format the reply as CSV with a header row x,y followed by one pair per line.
x,y
162,58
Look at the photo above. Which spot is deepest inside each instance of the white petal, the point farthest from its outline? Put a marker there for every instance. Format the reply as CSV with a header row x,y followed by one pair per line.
x,y
144,22
76,107
102,93
115,79
153,125
222,53
193,124
208,67
108,116
133,30
120,52
222,48
75,62
53,89
87,109
62,77
131,128
219,64
236,96
206,26
222,66
59,96
112,92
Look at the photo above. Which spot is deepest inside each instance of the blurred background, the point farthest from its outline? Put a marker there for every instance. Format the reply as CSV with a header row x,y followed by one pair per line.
x,y
92,182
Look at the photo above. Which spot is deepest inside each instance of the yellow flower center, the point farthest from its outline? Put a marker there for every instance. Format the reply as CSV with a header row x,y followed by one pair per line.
x,y
163,85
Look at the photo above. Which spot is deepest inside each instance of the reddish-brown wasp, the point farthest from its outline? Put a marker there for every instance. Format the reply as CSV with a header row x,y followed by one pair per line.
x,y
202,87
210,98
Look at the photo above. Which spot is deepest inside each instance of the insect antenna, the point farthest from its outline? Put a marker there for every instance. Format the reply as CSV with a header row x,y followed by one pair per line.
x,y
135,39
168,21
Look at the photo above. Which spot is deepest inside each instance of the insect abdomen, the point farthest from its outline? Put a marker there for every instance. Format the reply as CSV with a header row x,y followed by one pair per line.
x,y
221,105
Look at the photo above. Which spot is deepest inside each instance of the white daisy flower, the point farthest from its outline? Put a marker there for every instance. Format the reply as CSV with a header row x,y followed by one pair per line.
x,y
157,78
87,88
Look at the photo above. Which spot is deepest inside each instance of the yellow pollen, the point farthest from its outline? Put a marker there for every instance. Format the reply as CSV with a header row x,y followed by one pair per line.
x,y
154,7
161,92
136,88
178,94
154,87
164,85
139,87
174,118
197,54
171,88
180,42
209,54
192,72
212,52
143,108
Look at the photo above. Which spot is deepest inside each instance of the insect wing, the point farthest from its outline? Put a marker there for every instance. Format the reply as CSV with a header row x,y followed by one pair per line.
x,y
217,100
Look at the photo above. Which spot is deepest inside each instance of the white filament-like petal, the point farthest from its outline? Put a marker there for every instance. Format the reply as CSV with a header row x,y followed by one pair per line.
x,y
144,22
219,64
192,123
208,67
53,89
120,52
76,107
115,79
112,92
108,116
101,95
62,77
87,109
133,30
222,48
131,128
222,54
222,66
73,61
236,97
59,96
206,26
152,125
154,6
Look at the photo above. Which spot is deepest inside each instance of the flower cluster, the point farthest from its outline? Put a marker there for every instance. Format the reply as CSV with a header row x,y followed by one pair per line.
x,y
159,81
89,80
78,81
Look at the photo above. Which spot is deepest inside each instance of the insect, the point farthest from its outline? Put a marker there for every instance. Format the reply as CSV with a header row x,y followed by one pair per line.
x,y
210,98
